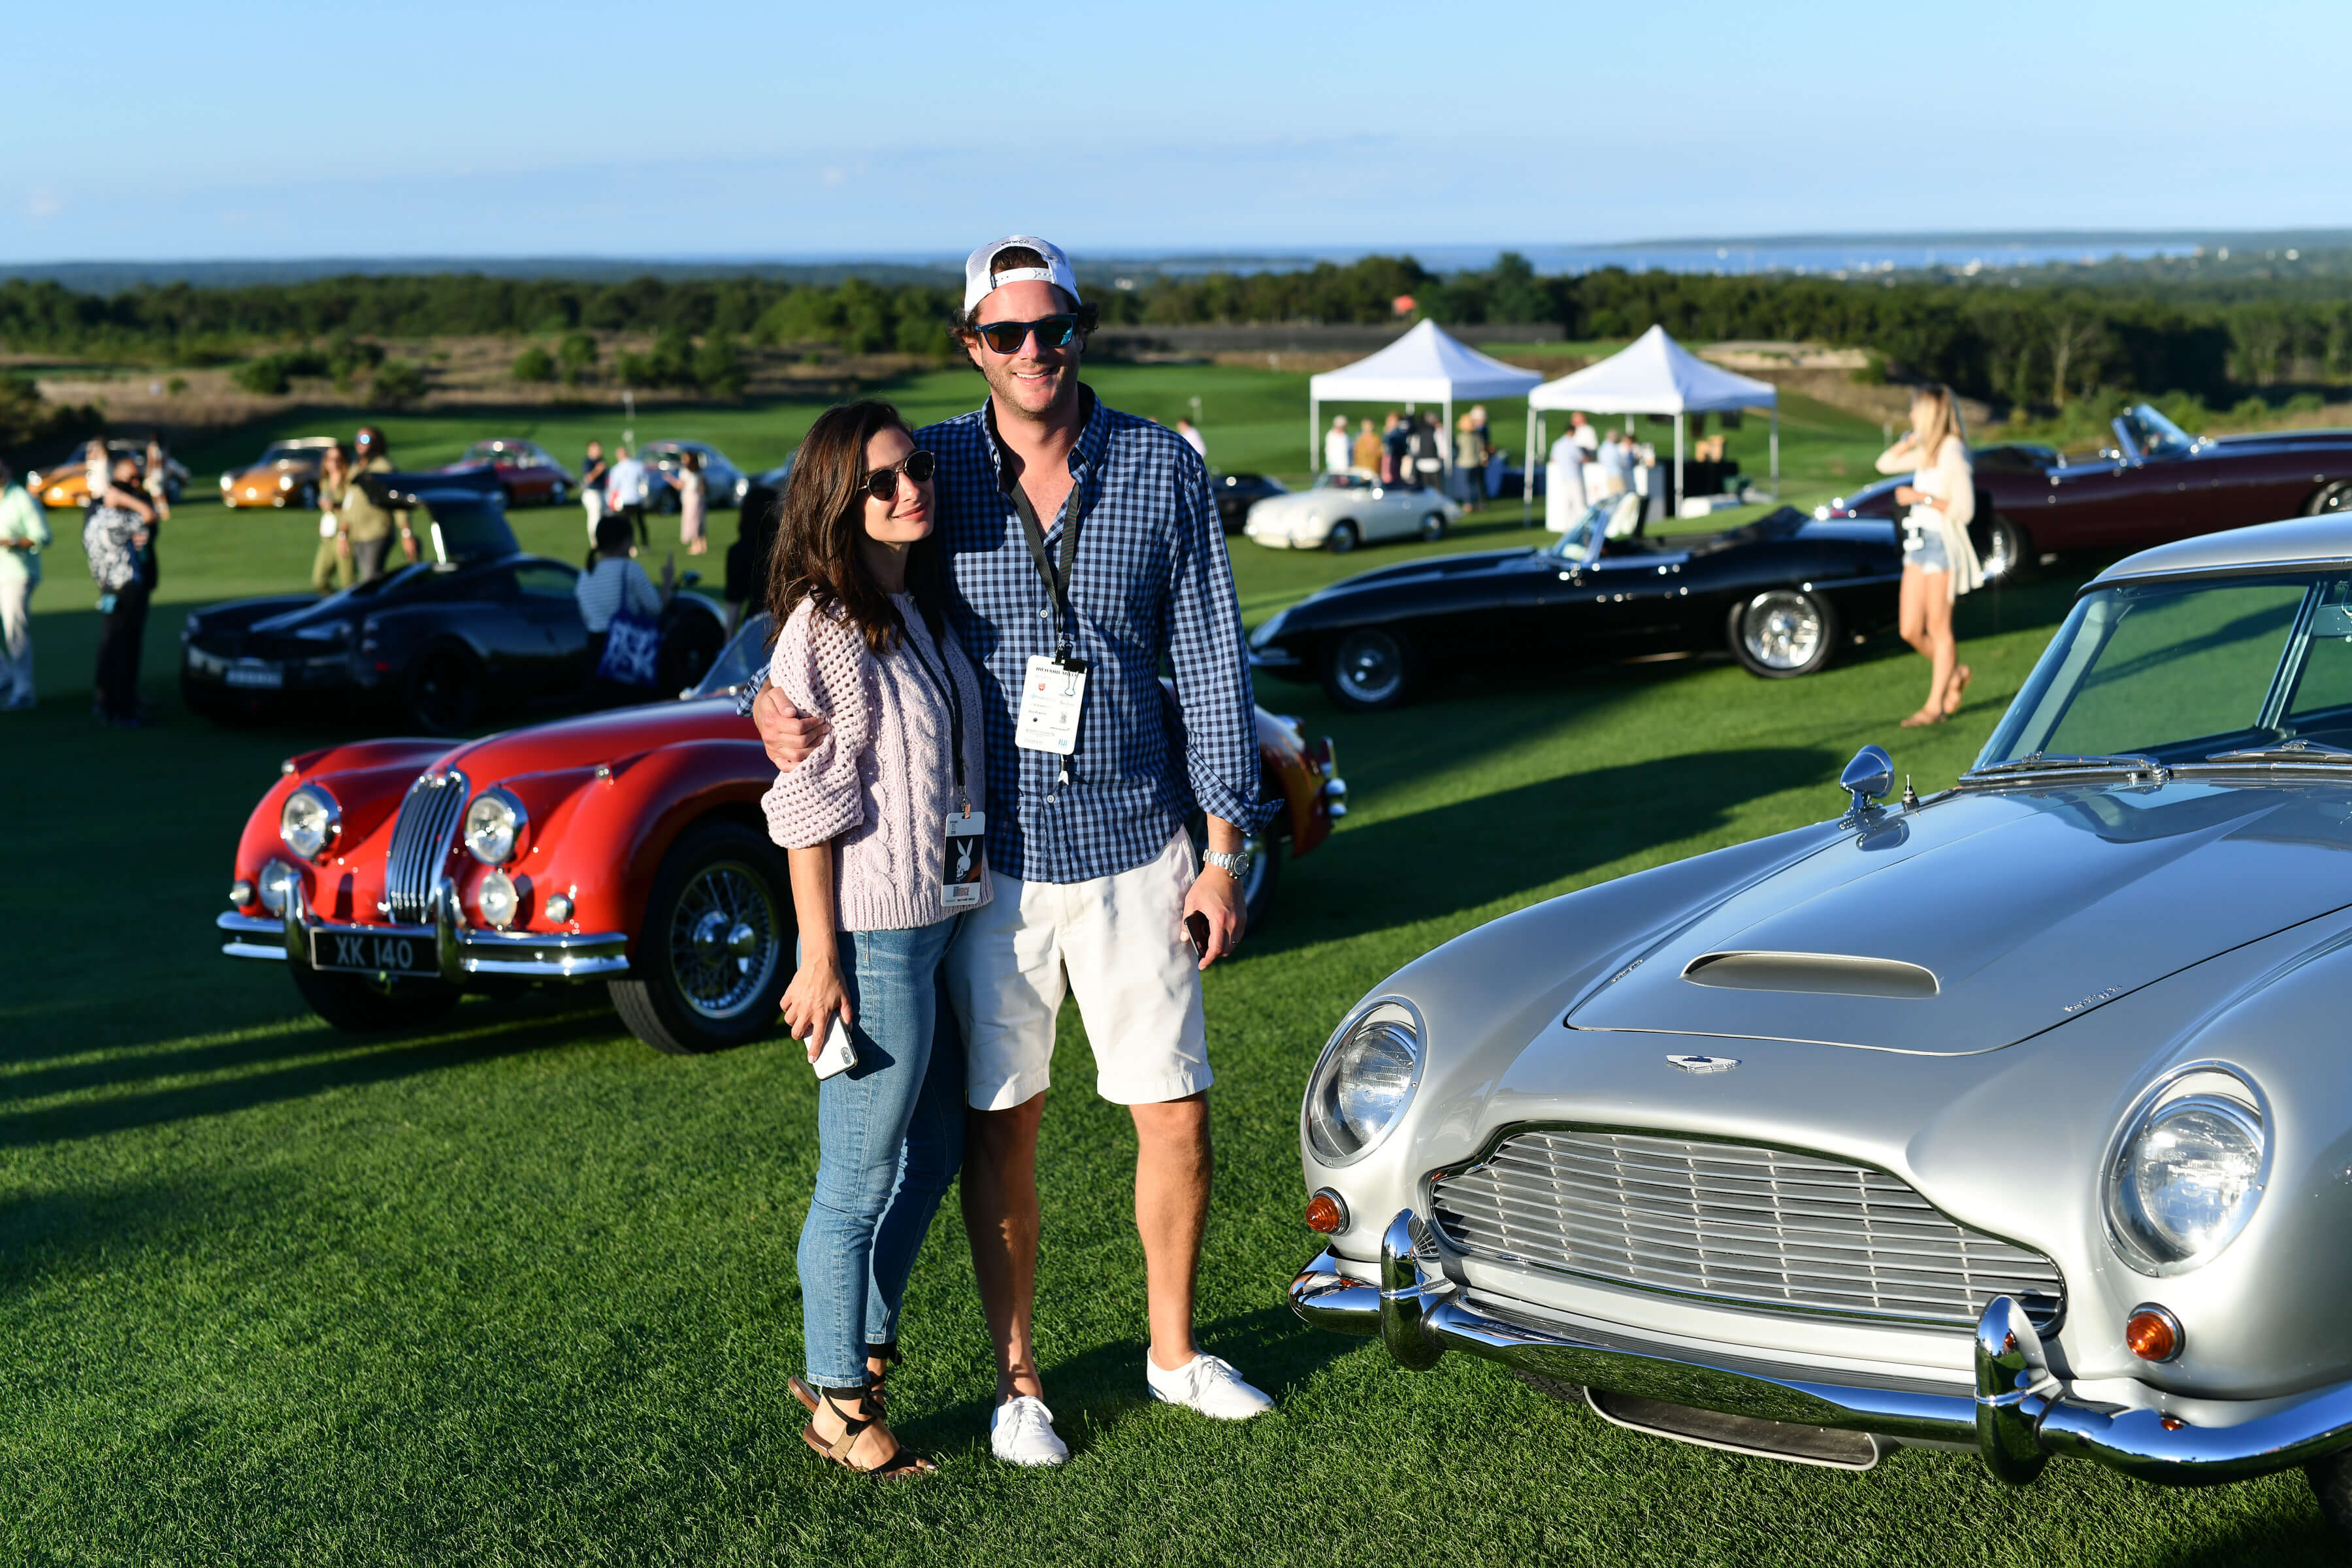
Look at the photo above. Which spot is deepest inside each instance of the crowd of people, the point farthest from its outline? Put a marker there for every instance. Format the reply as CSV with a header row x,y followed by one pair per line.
x,y
622,485
1409,448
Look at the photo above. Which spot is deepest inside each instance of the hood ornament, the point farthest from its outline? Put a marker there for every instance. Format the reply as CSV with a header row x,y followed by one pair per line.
x,y
1705,1064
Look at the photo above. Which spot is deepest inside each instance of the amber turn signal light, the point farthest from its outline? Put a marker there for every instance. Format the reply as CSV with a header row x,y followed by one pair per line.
x,y
1327,1213
2152,1333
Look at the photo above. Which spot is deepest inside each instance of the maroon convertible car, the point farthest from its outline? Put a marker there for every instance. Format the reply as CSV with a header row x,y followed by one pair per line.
x,y
2157,483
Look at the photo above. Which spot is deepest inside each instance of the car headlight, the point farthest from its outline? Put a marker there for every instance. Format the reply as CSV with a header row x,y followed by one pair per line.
x,y
2188,1170
310,820
495,897
493,825
276,878
1365,1079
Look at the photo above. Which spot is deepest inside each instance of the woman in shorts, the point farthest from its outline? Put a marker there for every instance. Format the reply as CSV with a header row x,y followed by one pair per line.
x,y
1938,563
880,877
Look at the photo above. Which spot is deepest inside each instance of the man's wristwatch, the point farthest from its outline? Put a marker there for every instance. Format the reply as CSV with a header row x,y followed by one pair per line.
x,y
1234,866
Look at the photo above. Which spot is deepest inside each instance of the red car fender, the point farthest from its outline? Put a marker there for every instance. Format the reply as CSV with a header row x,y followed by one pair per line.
x,y
368,780
609,836
1304,809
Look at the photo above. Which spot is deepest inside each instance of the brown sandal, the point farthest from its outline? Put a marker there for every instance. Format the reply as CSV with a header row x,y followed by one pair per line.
x,y
1960,678
875,1394
901,1463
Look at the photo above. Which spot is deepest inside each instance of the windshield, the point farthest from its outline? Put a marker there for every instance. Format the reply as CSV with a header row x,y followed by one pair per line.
x,y
1583,536
2153,434
2181,671
491,451
291,452
743,658
1349,479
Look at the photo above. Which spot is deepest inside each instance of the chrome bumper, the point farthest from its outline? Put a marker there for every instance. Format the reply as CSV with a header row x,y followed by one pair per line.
x,y
459,952
2018,1414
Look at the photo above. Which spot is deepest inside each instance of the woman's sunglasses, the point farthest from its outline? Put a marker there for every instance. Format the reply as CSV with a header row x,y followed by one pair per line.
x,y
1053,332
882,484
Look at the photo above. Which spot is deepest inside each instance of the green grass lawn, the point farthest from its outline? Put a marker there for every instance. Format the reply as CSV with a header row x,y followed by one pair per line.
x,y
523,1291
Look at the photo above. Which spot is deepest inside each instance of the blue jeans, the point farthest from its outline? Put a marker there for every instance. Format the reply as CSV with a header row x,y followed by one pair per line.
x,y
889,1138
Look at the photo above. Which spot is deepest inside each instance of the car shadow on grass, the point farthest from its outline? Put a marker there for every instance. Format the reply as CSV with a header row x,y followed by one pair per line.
x,y
63,1231
240,1074
1473,853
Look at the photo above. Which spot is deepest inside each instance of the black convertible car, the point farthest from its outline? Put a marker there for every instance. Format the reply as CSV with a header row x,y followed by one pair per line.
x,y
1783,592
482,626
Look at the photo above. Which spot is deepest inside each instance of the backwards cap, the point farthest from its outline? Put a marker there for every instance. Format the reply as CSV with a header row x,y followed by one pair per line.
x,y
981,279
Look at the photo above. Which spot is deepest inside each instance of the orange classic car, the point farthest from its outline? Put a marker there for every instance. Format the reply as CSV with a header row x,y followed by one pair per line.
x,y
625,847
67,483
285,474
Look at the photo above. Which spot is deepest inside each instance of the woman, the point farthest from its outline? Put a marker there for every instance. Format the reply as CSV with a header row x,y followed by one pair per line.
x,y
612,588
331,565
693,501
24,534
118,540
1938,563
881,825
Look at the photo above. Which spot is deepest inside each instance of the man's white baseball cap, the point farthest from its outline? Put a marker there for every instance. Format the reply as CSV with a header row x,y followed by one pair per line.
x,y
981,279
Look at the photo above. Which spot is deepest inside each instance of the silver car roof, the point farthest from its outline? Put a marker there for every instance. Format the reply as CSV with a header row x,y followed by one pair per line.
x,y
2299,541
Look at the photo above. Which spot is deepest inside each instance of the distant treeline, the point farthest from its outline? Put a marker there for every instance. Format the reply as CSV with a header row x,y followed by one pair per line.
x,y
2038,346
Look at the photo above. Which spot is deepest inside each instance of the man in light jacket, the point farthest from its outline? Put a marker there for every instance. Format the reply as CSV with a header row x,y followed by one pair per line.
x,y
24,534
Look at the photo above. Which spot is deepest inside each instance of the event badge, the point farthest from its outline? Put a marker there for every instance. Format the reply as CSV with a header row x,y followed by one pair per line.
x,y
965,862
1051,699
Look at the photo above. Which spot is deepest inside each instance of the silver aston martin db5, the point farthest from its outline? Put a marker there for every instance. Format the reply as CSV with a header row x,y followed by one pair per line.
x,y
2016,1118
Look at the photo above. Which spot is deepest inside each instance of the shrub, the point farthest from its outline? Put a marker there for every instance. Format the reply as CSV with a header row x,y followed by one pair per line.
x,y
2304,403
1872,371
397,381
177,386
2250,410
575,358
719,368
633,369
534,365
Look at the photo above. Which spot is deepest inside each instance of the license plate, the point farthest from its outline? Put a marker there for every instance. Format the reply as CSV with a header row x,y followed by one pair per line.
x,y
258,677
372,952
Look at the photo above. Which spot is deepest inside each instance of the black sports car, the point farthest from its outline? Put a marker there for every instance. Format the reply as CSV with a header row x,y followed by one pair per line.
x,y
482,626
1237,493
1784,592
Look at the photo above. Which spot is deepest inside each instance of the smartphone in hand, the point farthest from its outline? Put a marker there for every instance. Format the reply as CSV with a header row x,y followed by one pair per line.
x,y
1196,926
840,1052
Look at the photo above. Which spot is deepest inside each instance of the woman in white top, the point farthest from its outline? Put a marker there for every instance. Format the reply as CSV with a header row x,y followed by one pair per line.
x,y
1938,563
693,501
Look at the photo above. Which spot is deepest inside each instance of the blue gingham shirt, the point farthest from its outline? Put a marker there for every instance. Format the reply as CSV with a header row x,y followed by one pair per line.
x,y
1151,583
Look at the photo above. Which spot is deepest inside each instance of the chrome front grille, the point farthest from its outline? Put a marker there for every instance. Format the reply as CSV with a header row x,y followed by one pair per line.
x,y
421,838
1741,1224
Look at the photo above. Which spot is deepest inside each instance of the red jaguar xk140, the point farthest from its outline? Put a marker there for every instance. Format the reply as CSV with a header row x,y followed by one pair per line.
x,y
628,846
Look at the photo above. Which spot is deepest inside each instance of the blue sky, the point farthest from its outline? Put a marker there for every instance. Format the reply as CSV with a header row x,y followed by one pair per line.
x,y
278,130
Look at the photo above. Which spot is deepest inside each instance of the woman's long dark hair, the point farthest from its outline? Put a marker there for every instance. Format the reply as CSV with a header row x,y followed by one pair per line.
x,y
822,516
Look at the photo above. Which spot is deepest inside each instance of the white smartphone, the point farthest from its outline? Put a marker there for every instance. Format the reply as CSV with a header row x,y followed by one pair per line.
x,y
840,1052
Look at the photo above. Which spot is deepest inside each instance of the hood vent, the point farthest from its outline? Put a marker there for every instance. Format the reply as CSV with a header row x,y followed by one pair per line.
x,y
1818,974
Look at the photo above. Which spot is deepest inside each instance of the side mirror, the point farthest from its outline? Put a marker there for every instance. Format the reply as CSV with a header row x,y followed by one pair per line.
x,y
1870,776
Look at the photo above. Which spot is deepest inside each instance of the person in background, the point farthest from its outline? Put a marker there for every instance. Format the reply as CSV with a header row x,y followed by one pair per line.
x,y
1336,452
1470,457
1368,447
625,489
24,534
1564,500
1428,448
367,525
593,472
155,478
1586,436
118,539
1940,563
614,584
1396,449
693,501
747,558
1616,461
98,470
331,567
1185,428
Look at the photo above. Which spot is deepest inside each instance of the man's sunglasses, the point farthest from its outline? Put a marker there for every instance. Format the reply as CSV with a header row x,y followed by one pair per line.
x,y
882,484
1053,332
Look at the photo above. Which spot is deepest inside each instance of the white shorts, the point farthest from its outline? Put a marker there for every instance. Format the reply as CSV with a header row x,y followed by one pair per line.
x,y
1118,942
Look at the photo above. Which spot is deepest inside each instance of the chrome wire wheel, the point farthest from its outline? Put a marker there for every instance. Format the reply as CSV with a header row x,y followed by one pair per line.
x,y
724,946
1782,630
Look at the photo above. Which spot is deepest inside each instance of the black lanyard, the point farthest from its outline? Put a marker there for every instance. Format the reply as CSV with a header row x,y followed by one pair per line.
x,y
1057,587
943,681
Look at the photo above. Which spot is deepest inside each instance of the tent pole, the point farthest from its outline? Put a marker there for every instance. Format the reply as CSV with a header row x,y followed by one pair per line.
x,y
1527,468
1314,424
1776,452
1679,463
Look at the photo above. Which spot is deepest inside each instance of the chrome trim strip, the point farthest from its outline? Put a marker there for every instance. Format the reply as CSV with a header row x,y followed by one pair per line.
x,y
2018,1416
541,955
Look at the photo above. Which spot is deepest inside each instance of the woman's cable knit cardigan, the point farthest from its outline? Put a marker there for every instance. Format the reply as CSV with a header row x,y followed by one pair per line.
x,y
882,782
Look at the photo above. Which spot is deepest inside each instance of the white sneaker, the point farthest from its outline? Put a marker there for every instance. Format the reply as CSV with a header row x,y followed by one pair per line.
x,y
1206,1384
1022,1433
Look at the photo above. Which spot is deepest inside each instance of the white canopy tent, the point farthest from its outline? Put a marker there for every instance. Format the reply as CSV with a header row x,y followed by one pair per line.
x,y
1425,366
1653,374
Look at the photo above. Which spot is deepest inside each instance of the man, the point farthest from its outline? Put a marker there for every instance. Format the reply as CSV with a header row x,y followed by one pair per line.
x,y
1586,436
625,490
24,534
1335,450
1564,500
1616,465
366,524
593,475
1368,447
1084,551
1396,450
1192,435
